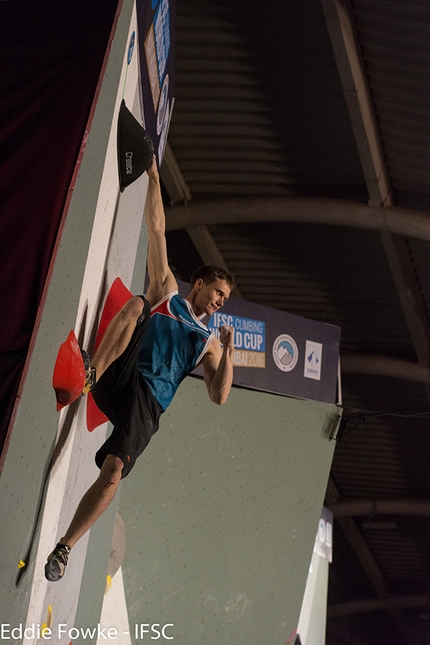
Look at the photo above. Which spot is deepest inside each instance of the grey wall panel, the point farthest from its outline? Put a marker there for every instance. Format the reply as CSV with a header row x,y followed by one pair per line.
x,y
38,492
221,514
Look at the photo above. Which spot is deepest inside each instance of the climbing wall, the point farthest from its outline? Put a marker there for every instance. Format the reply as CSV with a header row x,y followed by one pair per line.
x,y
49,463
220,513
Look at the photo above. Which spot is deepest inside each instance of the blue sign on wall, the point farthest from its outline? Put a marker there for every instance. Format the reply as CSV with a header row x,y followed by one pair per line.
x,y
278,352
249,338
157,52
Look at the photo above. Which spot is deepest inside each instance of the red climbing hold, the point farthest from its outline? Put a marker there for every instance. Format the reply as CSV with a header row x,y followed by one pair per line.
x,y
116,298
69,372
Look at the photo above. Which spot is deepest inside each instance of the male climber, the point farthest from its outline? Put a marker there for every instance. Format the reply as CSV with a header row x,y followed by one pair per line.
x,y
147,350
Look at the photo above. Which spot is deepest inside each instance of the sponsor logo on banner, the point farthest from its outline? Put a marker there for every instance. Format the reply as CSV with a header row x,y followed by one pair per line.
x,y
324,539
163,105
249,338
313,358
285,353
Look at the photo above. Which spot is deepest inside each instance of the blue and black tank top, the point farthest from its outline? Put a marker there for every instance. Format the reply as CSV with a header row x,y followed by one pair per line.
x,y
173,344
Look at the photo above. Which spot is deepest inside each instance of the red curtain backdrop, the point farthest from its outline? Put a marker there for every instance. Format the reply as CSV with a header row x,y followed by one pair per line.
x,y
51,55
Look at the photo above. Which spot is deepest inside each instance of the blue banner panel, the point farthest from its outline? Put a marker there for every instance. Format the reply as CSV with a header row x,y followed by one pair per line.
x,y
279,352
155,19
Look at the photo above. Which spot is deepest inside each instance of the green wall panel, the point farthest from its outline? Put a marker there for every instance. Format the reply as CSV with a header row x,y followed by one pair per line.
x,y
221,514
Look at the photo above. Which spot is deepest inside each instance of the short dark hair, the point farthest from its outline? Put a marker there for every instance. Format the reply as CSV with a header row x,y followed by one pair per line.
x,y
210,273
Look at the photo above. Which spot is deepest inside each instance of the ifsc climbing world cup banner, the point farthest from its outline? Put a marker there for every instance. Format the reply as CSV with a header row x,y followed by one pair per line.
x,y
156,27
279,352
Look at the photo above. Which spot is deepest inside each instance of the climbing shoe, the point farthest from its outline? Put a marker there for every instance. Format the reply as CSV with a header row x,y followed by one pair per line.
x,y
57,562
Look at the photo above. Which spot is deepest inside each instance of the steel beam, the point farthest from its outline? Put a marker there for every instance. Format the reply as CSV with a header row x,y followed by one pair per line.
x,y
305,210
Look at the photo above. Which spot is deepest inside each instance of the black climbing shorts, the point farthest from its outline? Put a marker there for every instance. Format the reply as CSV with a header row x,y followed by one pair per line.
x,y
125,398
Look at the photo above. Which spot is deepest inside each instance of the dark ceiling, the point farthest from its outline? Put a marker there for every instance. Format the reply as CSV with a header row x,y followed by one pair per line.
x,y
298,157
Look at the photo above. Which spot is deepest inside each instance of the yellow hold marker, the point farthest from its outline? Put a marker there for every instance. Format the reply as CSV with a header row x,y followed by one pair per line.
x,y
45,630
49,617
21,564
108,583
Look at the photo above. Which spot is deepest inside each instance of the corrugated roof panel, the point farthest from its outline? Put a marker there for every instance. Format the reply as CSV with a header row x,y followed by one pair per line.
x,y
230,102
395,41
221,107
